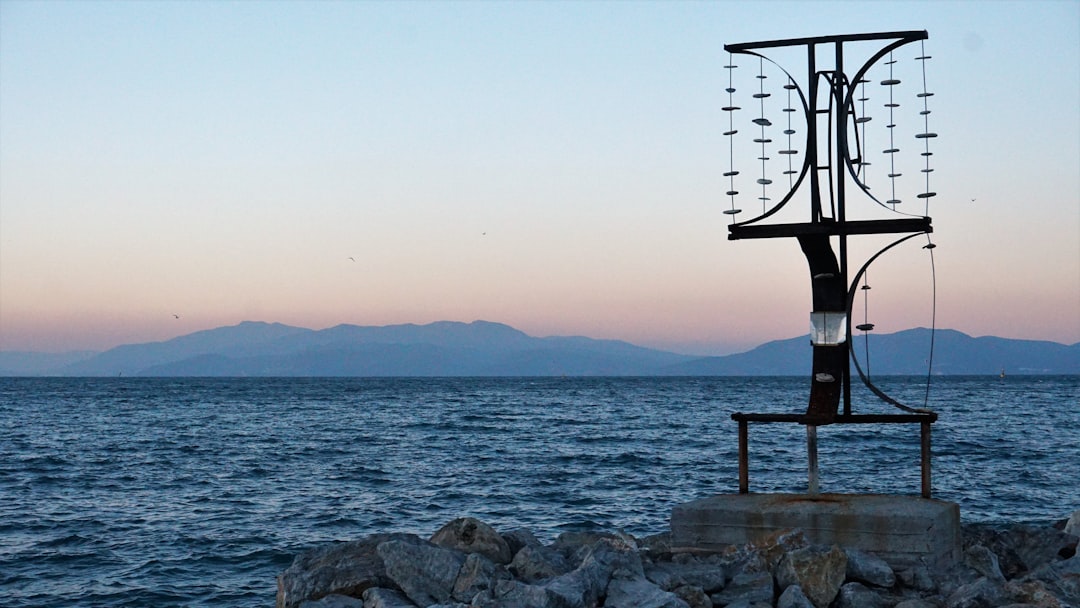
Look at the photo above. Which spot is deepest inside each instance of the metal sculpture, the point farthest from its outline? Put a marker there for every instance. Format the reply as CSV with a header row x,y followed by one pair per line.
x,y
816,149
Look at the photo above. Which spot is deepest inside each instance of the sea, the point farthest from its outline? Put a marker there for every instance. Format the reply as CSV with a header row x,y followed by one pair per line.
x,y
199,492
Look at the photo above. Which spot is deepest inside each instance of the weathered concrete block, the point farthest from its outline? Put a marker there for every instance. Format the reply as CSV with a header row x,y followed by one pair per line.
x,y
902,530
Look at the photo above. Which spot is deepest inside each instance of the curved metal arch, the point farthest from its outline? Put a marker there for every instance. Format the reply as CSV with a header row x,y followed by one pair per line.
x,y
851,349
849,102
806,157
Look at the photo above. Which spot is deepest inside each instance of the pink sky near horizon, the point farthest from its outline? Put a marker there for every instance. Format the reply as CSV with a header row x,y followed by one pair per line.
x,y
554,167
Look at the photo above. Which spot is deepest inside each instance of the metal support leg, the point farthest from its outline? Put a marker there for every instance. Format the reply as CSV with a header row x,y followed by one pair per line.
x,y
811,459
926,488
744,459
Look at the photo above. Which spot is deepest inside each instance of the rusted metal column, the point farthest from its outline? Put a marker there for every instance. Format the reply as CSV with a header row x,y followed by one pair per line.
x,y
744,458
926,488
811,459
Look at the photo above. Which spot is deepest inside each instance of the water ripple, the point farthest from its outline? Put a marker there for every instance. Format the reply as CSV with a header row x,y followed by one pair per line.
x,y
198,492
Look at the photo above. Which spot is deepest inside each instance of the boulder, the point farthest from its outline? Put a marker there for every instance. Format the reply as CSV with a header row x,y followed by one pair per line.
x,y
576,546
695,597
745,603
863,567
477,574
1072,526
424,572
750,587
506,593
979,594
984,561
535,563
1039,545
519,538
340,568
689,570
639,593
762,554
793,597
916,603
338,601
1062,577
1021,548
585,585
918,578
470,535
819,571
657,544
378,597
1033,592
857,595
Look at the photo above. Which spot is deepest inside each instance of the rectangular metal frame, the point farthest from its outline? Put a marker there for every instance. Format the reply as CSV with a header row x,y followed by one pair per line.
x,y
923,419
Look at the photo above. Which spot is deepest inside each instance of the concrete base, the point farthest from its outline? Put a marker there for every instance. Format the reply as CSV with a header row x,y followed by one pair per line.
x,y
902,530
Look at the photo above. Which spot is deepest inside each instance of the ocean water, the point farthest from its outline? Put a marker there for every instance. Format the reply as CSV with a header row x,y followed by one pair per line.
x,y
199,492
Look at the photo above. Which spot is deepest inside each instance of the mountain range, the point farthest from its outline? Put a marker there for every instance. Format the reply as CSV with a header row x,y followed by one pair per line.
x,y
483,348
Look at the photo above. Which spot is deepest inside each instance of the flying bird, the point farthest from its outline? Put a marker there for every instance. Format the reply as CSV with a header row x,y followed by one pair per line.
x,y
176,316
352,258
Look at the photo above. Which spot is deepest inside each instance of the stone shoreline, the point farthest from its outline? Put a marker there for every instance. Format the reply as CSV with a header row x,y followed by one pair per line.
x,y
467,564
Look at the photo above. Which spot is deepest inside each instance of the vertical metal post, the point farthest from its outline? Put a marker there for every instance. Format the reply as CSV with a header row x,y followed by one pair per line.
x,y
839,171
744,459
926,487
811,459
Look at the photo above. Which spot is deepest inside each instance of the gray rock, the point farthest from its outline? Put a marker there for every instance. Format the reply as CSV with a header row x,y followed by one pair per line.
x,y
470,535
639,593
1033,592
670,575
695,597
918,578
515,594
764,553
657,543
917,603
793,597
980,594
576,546
662,574
1039,545
518,538
336,601
985,562
1073,525
340,568
751,587
868,568
585,585
424,572
477,574
1020,548
819,572
1063,577
534,563
378,597
857,595
745,603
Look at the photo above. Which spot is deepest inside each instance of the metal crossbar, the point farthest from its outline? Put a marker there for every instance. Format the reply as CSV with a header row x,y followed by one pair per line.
x,y
924,419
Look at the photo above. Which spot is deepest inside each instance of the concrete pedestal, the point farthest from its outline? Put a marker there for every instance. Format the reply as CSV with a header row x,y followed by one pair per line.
x,y
902,530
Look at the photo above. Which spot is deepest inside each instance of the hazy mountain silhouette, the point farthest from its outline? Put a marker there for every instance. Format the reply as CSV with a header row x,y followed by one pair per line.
x,y
901,353
483,348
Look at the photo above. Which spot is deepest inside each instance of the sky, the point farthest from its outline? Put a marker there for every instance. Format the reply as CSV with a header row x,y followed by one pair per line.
x,y
169,167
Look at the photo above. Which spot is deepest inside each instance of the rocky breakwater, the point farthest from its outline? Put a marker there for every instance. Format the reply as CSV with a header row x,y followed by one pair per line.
x,y
467,564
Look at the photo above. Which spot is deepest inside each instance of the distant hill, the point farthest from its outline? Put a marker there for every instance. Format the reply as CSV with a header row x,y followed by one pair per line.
x,y
901,353
483,348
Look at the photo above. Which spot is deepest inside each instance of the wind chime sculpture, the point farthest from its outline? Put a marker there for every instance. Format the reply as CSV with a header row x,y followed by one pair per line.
x,y
814,148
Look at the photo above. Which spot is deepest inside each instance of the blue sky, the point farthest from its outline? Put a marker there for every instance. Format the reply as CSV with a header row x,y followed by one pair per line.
x,y
551,165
